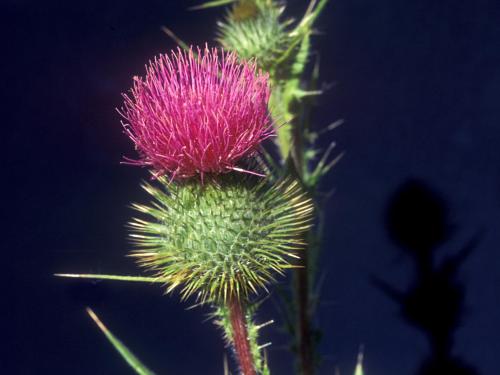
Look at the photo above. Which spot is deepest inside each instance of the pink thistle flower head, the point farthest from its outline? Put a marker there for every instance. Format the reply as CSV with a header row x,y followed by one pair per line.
x,y
195,114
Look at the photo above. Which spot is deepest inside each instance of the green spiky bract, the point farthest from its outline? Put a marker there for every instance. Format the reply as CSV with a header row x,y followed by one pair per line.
x,y
226,237
254,31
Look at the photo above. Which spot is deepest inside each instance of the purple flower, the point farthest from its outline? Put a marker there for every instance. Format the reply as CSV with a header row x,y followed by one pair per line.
x,y
196,114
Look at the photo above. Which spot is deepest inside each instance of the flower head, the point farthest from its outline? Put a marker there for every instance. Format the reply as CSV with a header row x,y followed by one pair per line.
x,y
220,240
197,113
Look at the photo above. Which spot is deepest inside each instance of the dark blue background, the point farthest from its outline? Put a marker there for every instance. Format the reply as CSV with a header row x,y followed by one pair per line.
x,y
418,83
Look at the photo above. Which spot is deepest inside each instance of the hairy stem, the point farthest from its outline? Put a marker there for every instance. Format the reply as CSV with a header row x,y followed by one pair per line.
x,y
240,337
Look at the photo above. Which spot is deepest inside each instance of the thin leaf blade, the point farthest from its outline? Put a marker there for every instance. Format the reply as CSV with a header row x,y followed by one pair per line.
x,y
126,354
212,4
143,279
359,365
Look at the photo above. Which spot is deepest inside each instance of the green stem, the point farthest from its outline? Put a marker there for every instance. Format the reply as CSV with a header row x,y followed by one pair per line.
x,y
303,317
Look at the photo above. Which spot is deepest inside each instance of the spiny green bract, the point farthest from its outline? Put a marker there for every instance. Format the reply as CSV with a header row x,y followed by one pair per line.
x,y
253,30
223,238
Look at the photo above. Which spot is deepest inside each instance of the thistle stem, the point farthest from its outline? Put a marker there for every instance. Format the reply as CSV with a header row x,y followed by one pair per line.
x,y
303,320
302,297
240,337
303,317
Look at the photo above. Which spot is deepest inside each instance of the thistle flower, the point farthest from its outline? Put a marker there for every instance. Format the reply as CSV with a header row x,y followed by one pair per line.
x,y
196,114
222,239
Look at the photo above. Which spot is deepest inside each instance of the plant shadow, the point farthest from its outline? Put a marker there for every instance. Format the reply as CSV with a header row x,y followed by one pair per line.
x,y
434,303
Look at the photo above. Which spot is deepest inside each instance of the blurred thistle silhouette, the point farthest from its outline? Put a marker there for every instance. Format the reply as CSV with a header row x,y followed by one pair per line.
x,y
417,221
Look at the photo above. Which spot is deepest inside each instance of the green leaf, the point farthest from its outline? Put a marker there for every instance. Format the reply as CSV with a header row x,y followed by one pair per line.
x,y
126,354
142,279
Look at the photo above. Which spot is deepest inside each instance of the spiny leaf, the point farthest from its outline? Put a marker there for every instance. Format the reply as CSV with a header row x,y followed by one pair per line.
x,y
212,4
359,364
300,94
111,277
175,38
332,126
313,11
226,366
289,51
126,354
322,167
302,56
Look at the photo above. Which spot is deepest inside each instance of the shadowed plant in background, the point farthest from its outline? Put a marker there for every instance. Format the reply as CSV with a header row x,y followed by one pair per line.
x,y
434,302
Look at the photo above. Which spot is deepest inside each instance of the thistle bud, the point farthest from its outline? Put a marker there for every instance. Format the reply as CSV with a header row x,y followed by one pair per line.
x,y
254,30
224,239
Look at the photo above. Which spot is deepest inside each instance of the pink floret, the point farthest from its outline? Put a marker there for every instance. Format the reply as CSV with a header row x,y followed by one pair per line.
x,y
197,114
